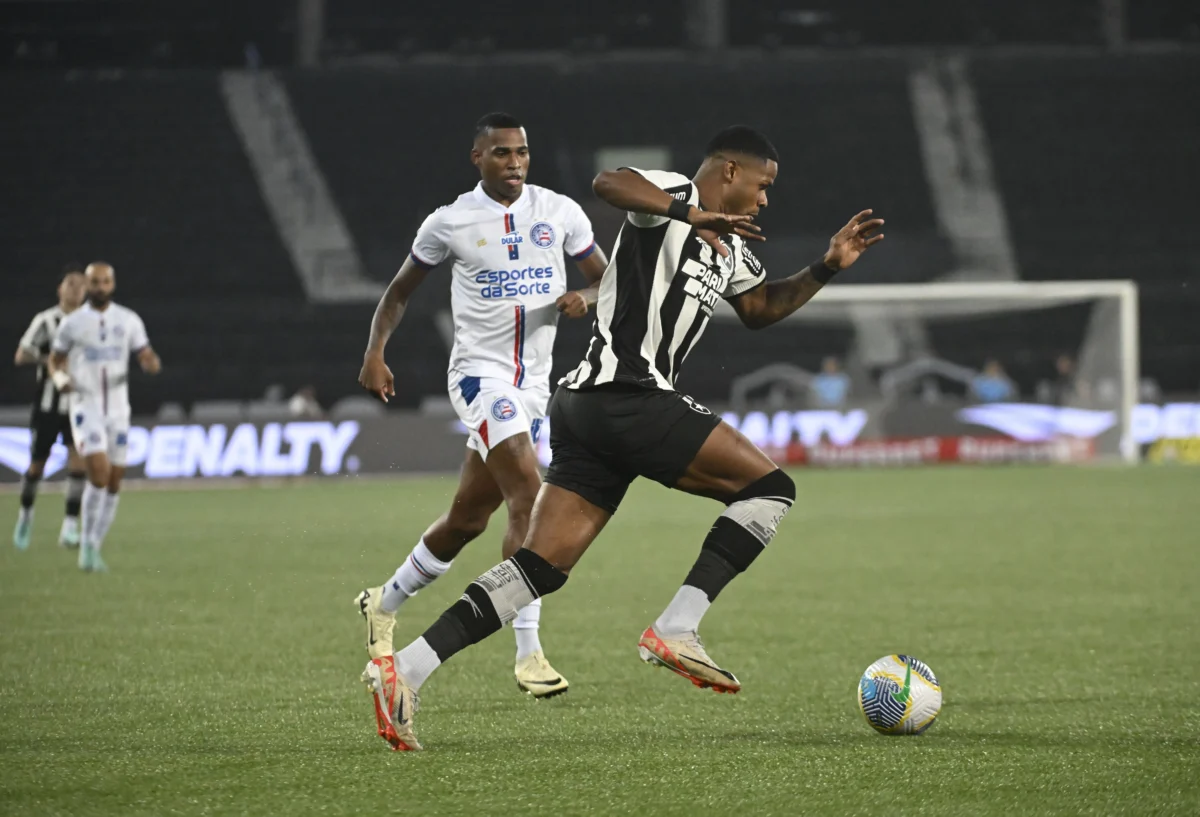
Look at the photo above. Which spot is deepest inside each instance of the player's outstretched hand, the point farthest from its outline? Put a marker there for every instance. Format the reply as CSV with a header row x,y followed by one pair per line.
x,y
710,226
852,240
377,378
572,304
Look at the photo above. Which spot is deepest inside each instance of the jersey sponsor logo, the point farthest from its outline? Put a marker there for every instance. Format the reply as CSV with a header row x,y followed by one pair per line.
x,y
542,234
514,283
511,238
504,409
705,283
102,354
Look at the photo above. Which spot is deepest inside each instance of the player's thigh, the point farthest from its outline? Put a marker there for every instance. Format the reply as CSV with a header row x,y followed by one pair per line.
x,y
513,465
726,463
477,496
563,526
585,447
44,430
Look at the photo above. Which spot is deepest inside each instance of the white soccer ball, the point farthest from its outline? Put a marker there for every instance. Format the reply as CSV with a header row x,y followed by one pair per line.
x,y
899,695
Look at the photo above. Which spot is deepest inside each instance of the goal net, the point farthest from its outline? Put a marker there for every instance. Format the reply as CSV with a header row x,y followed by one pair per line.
x,y
998,371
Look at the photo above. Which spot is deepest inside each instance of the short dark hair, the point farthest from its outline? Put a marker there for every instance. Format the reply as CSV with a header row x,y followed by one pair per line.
x,y
71,268
742,139
497,120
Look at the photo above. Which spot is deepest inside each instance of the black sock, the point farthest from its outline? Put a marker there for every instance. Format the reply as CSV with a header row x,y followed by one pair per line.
x,y
29,489
727,551
75,482
491,600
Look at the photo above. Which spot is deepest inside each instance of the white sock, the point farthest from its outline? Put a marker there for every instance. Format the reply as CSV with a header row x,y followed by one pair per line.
x,y
93,506
108,512
419,569
525,626
416,662
684,612
26,516
70,524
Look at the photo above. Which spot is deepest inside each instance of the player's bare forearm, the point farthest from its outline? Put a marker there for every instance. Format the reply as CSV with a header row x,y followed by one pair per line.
x,y
774,301
56,362
630,192
149,360
25,357
390,309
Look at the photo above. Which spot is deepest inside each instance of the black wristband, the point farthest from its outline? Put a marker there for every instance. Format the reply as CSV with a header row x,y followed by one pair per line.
x,y
820,272
679,210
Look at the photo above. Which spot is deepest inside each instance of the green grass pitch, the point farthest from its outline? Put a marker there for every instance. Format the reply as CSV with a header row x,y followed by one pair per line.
x,y
215,669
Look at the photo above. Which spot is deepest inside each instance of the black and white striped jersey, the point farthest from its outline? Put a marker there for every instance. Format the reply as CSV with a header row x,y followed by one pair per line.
x,y
36,341
658,294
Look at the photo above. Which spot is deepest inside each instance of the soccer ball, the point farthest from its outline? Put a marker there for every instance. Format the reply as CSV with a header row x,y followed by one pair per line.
x,y
899,695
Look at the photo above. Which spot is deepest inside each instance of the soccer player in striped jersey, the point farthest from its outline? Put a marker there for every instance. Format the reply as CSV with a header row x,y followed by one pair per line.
x,y
618,416
506,240
49,420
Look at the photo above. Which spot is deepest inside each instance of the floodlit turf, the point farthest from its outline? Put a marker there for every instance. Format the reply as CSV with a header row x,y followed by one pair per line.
x,y
215,669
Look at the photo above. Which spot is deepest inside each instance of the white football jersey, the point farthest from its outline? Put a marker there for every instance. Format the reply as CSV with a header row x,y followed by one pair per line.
x,y
508,271
98,345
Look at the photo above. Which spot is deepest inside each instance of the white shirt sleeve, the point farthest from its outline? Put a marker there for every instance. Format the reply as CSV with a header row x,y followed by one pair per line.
x,y
580,241
747,274
673,183
137,333
64,338
432,244
35,335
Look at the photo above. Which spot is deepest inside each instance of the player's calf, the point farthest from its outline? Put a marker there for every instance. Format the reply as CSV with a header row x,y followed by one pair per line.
x,y
735,540
489,602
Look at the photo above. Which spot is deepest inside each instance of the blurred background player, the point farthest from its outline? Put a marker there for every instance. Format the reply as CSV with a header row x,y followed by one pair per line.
x,y
90,362
508,287
49,419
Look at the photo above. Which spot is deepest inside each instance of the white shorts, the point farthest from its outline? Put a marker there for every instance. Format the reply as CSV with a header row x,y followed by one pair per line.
x,y
96,433
494,410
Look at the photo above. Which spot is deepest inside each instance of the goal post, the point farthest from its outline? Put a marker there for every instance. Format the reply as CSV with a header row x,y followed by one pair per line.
x,y
920,332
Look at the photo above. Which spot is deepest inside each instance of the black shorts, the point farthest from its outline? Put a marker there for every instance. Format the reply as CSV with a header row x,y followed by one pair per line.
x,y
603,438
46,426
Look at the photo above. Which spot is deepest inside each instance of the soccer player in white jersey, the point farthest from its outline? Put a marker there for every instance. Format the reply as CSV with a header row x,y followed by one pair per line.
x,y
90,362
508,286
49,420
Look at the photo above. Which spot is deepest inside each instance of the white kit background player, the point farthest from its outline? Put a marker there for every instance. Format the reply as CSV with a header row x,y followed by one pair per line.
x,y
508,286
89,362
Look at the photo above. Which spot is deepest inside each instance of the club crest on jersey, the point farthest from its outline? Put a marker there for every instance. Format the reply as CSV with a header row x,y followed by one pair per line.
x,y
504,409
542,234
118,332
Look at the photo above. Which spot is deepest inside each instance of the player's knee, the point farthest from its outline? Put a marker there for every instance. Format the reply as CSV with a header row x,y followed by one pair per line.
x,y
34,471
776,484
750,522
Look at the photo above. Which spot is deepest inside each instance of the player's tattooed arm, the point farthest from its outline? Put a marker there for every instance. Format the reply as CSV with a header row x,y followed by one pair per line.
x,y
774,301
575,304
375,376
